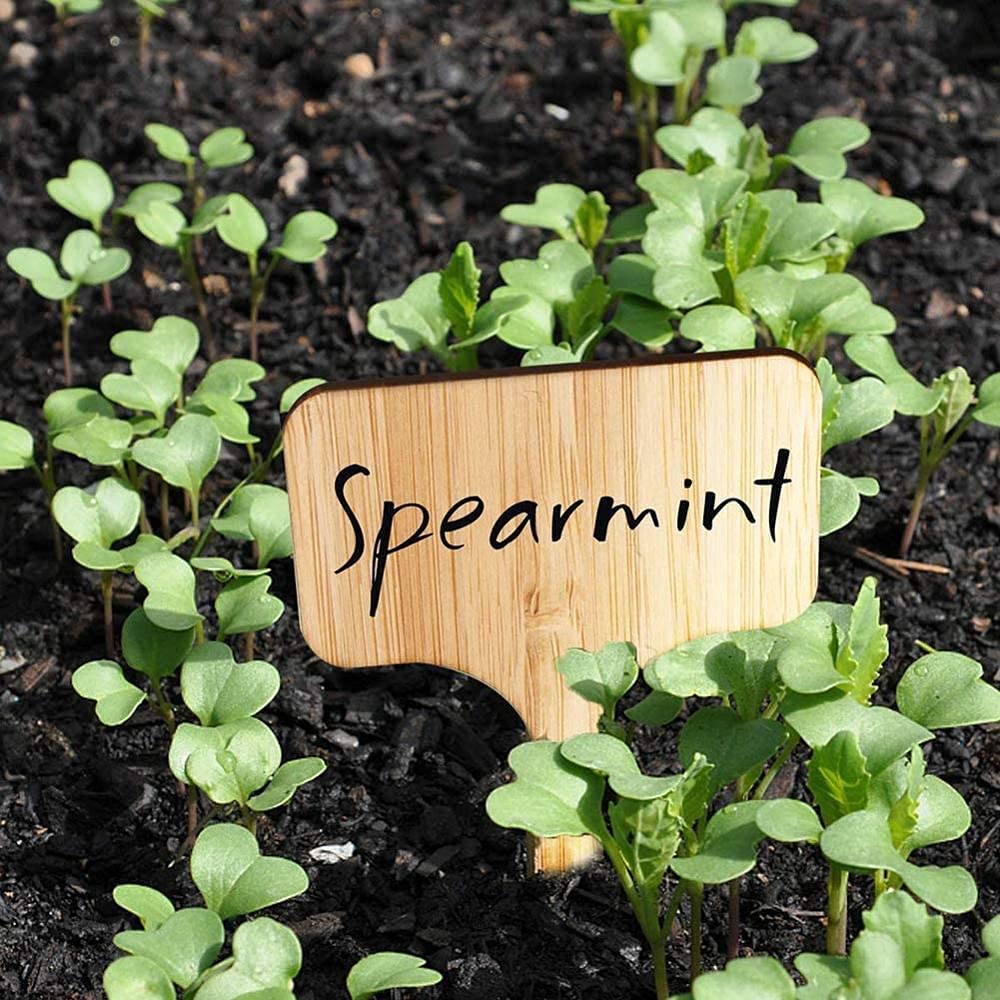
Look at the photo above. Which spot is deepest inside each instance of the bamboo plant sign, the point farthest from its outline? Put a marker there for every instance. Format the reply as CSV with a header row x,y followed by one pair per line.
x,y
490,522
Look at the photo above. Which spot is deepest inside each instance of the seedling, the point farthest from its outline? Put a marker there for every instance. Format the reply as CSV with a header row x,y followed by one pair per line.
x,y
667,46
388,970
85,261
70,8
149,11
225,147
303,241
86,192
946,408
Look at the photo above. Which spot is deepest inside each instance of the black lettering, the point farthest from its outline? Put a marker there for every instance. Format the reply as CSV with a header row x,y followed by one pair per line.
x,y
348,472
776,482
381,550
560,518
684,507
527,510
712,509
607,508
449,523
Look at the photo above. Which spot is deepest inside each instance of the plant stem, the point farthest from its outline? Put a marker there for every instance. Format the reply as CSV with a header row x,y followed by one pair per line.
x,y
107,589
163,705
193,498
65,322
46,476
192,812
660,983
695,891
145,28
836,911
164,508
190,267
733,942
248,646
791,742
258,286
916,506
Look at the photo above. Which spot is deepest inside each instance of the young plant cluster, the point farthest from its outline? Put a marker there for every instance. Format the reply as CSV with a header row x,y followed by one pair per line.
x,y
156,208
752,699
718,254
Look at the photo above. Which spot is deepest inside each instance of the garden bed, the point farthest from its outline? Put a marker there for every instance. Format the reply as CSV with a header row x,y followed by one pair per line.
x,y
471,106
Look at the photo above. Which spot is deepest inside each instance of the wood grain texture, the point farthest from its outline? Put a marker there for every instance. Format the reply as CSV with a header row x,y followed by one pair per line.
x,y
634,432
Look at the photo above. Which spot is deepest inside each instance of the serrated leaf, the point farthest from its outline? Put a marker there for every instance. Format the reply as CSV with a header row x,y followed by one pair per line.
x,y
459,290
838,777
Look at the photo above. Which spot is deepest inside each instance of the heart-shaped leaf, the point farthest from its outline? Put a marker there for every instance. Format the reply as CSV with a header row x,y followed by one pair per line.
x,y
862,840
760,978
85,191
17,446
863,214
172,341
152,650
242,227
186,455
266,959
183,946
131,978
601,677
731,83
102,515
388,970
218,689
234,879
162,223
817,148
554,208
270,526
39,268
151,387
102,681
244,605
550,797
719,328
728,848
232,377
149,905
608,756
140,198
943,690
170,603
305,236
287,779
560,272
65,409
100,441
234,522
225,147
416,319
773,40
169,142
228,762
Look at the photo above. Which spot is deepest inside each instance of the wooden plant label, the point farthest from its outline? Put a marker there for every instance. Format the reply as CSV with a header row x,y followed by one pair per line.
x,y
490,522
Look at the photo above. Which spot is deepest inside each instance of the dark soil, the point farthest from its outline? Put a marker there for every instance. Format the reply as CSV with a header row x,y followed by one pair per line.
x,y
457,122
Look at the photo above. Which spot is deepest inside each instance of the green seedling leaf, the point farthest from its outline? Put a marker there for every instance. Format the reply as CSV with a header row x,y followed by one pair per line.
x,y
590,222
228,762
555,207
743,978
286,781
172,342
883,735
102,515
824,975
271,527
717,134
296,391
100,441
65,409
151,387
225,147
867,647
459,290
40,270
103,682
305,236
183,946
863,215
205,219
789,821
817,148
839,778
170,603
88,263
773,40
628,226
388,970
987,410
719,328
169,143
266,959
728,848
701,199
244,605
85,191
862,840
647,323
416,319
134,978
840,499
732,82
732,746
154,651
656,709
235,522
609,756
139,199
219,690
853,410
242,227
688,26
233,877
162,223
222,569
684,276
602,677
17,447
559,274
944,690
186,455
230,418
234,378
898,916
984,975
149,905
550,797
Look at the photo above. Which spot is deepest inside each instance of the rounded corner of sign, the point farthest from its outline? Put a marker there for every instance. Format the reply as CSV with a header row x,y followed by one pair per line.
x,y
299,406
